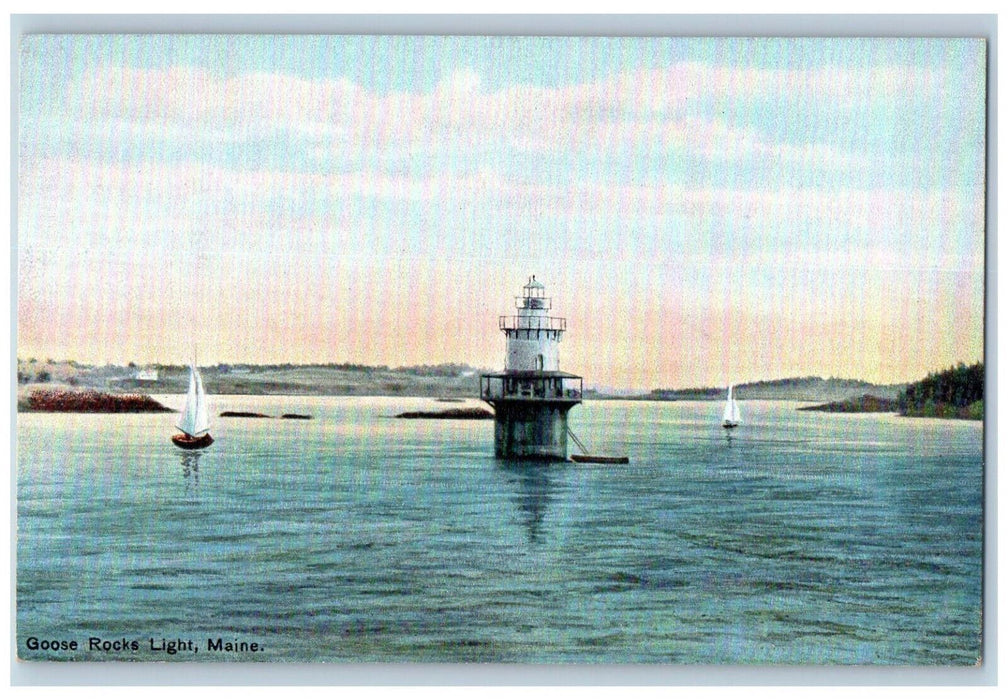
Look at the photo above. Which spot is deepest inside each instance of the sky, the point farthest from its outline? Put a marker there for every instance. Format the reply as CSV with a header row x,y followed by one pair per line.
x,y
702,211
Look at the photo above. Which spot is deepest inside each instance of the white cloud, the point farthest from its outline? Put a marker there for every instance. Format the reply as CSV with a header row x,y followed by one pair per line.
x,y
465,81
109,206
667,182
650,108
326,164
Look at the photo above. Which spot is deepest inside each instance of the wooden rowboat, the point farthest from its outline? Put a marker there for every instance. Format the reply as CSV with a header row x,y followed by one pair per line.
x,y
598,459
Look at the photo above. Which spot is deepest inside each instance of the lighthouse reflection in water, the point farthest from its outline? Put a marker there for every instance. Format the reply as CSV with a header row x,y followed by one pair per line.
x,y
533,490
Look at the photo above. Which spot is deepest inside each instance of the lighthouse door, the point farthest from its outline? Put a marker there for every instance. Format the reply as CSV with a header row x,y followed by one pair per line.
x,y
539,363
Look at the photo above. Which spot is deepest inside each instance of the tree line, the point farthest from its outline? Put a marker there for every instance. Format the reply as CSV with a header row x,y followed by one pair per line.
x,y
955,392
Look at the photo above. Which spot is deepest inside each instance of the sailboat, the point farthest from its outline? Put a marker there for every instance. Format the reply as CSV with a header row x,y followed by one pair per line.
x,y
194,422
731,412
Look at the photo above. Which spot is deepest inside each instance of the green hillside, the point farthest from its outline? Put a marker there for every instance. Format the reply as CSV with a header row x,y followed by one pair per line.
x,y
790,389
957,392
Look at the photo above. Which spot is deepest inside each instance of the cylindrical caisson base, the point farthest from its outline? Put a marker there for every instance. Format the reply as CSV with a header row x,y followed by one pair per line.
x,y
534,430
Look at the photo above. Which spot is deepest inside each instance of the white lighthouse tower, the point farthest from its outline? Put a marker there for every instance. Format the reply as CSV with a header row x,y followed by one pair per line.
x,y
532,396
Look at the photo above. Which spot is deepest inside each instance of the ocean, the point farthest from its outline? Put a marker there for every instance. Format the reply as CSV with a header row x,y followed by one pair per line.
x,y
804,538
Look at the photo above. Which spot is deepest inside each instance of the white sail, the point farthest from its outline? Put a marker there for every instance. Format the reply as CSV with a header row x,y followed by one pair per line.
x,y
728,406
731,409
194,419
202,419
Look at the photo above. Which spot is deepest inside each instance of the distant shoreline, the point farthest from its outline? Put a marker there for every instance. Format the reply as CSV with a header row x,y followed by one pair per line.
x,y
442,383
860,404
62,400
450,414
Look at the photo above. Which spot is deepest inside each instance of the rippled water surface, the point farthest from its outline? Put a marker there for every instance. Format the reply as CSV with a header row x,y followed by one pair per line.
x,y
806,538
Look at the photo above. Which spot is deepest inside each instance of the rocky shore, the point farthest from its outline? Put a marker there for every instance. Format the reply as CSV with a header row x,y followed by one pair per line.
x,y
859,404
252,414
88,401
451,413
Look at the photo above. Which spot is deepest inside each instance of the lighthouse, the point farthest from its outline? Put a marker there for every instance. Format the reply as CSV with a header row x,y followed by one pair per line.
x,y
531,397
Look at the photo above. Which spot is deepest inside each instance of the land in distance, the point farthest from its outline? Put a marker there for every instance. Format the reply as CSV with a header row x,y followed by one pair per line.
x,y
445,382
64,400
451,413
859,404
788,389
434,381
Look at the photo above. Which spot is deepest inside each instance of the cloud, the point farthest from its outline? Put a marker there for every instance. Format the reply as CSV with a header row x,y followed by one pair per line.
x,y
682,106
112,205
465,81
804,188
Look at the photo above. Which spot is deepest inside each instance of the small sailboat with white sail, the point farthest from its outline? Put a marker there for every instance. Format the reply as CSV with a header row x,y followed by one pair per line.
x,y
731,411
194,422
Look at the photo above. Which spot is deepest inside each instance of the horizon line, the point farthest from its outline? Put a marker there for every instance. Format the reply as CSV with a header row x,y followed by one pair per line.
x,y
390,367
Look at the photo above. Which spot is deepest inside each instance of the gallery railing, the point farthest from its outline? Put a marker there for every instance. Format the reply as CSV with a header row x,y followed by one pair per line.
x,y
546,388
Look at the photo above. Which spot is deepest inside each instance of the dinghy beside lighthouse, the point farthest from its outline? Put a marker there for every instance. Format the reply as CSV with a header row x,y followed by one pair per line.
x,y
194,422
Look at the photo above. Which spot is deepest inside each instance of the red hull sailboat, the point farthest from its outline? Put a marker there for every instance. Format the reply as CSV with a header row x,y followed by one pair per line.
x,y
188,442
194,423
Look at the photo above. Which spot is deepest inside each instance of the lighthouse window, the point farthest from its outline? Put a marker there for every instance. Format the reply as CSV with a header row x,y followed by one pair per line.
x,y
539,362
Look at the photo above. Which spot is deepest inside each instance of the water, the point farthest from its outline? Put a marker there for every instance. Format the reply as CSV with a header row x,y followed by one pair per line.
x,y
806,538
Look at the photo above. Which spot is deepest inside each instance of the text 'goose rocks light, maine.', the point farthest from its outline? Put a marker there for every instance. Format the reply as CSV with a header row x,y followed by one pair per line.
x,y
532,396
